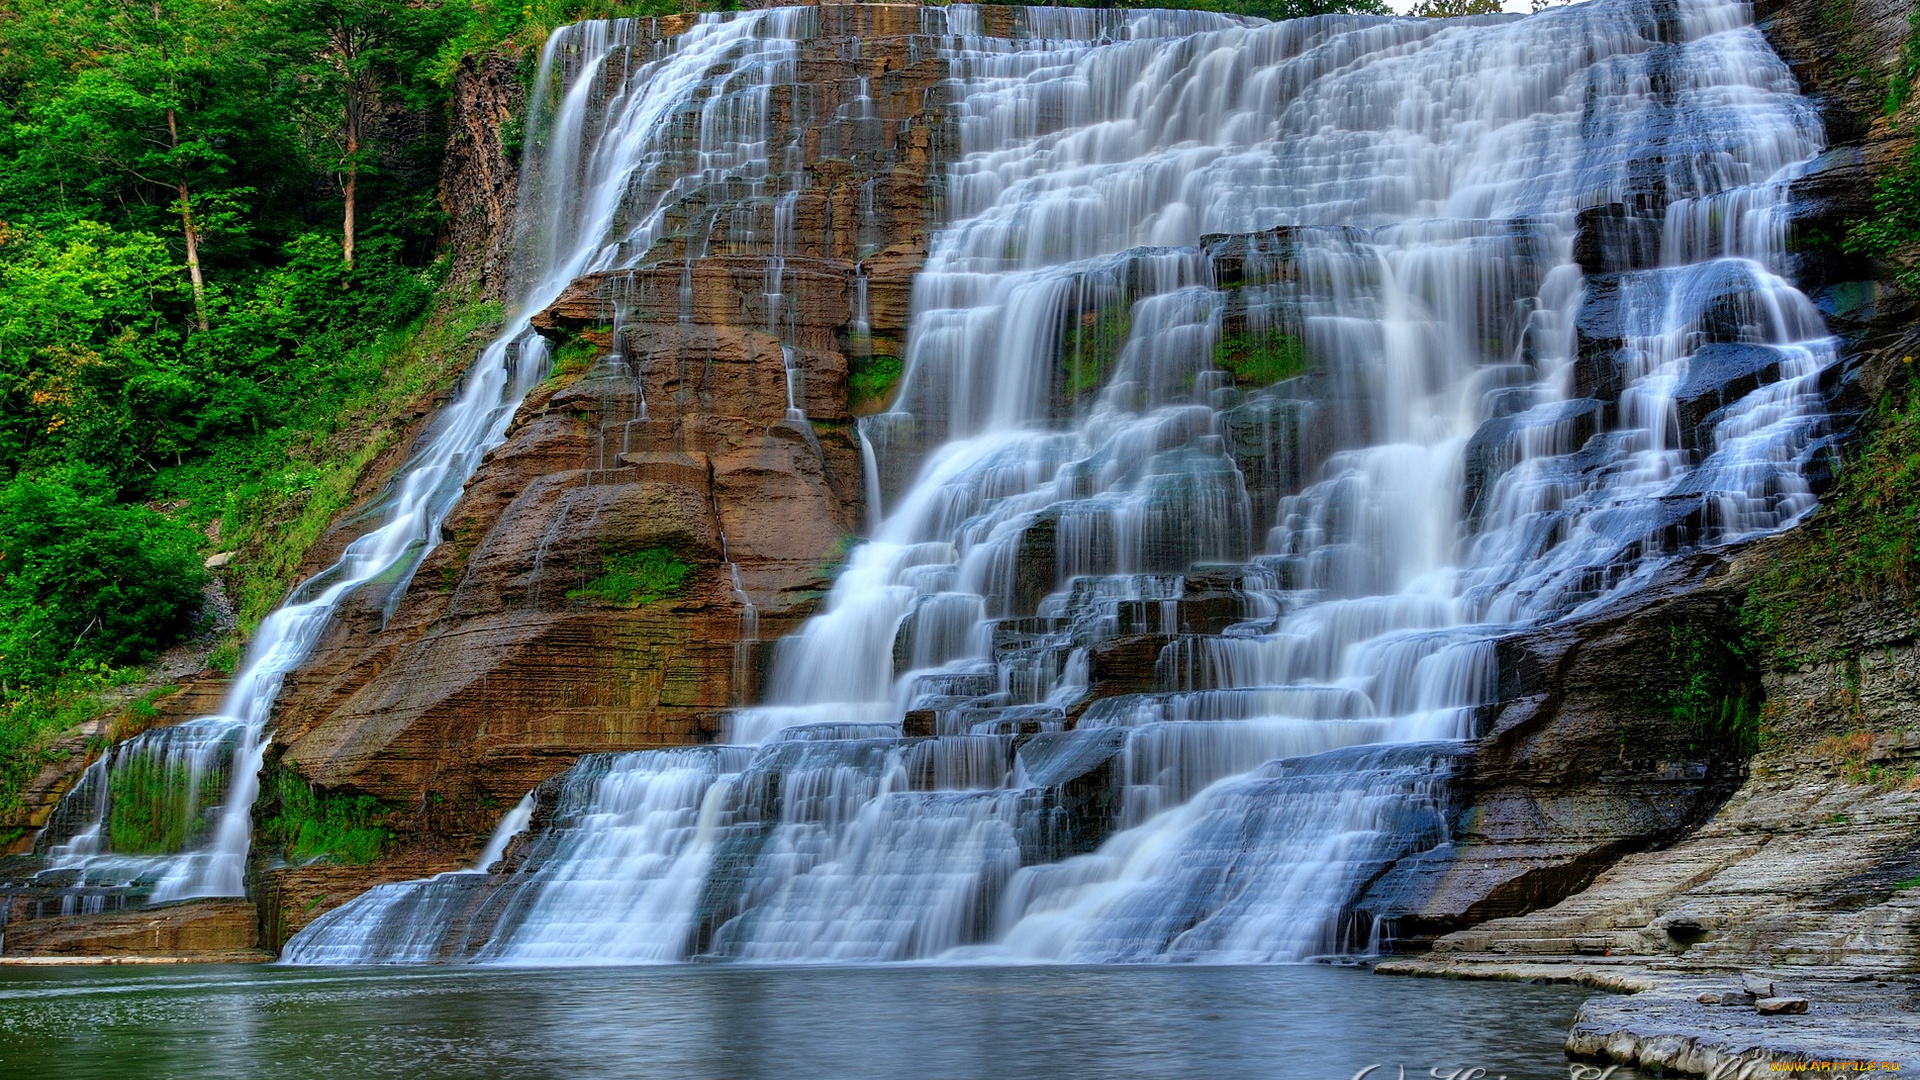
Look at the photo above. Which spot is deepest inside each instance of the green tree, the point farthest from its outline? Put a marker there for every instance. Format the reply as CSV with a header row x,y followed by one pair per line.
x,y
1455,9
147,120
348,60
89,356
1301,9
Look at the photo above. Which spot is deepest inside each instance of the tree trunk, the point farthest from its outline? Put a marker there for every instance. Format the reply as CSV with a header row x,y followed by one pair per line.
x,y
355,106
192,234
346,240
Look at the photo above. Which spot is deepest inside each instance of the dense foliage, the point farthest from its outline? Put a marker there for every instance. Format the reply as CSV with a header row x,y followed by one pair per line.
x,y
218,243
85,578
306,826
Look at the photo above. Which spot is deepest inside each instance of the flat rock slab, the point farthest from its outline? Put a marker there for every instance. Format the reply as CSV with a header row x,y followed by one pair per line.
x,y
209,931
249,956
1678,1022
1866,1021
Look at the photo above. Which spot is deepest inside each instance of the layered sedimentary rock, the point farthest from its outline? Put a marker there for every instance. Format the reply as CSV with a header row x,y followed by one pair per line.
x,y
711,420
203,931
479,182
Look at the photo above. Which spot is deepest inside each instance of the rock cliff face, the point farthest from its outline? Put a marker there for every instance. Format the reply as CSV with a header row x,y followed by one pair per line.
x,y
688,412
480,180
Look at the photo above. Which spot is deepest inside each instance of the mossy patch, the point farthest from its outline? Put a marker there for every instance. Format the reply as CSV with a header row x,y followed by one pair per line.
x,y
155,808
871,383
1713,690
635,579
308,826
1091,347
569,361
1260,359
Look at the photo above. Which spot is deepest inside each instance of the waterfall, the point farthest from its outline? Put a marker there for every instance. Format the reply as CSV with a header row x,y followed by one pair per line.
x,y
1270,374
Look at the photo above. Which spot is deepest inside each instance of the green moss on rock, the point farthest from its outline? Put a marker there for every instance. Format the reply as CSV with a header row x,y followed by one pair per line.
x,y
635,579
871,382
1260,359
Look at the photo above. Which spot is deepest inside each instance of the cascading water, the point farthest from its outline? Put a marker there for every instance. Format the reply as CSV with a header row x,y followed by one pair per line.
x,y
589,158
1269,374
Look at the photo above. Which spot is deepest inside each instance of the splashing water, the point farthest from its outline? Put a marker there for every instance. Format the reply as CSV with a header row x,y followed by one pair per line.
x,y
1268,373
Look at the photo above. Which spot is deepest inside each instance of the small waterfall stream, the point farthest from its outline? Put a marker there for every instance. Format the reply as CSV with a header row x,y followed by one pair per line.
x,y
1270,373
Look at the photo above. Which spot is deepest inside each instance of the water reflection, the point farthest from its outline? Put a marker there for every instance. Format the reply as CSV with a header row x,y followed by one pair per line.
x,y
839,1023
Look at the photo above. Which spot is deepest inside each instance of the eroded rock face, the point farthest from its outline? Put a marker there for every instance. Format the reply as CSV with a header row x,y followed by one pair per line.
x,y
480,181
711,421
206,931
1580,764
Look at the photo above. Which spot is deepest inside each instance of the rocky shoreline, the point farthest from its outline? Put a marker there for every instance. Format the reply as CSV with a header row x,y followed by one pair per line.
x,y
1674,1021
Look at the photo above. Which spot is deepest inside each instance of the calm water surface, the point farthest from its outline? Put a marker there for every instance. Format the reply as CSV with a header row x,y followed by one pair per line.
x,y
922,1023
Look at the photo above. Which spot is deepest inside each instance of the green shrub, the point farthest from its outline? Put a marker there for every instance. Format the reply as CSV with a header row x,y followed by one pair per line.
x,y
83,578
635,579
1892,232
1714,691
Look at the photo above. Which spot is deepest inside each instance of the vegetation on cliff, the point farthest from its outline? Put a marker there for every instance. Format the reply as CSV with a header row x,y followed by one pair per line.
x,y
635,578
1259,358
1863,545
871,381
304,825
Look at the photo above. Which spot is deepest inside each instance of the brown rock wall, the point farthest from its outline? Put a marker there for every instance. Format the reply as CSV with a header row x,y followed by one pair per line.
x,y
482,676
210,930
480,180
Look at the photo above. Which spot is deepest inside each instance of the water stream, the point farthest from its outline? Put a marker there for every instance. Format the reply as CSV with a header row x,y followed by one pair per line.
x,y
1275,371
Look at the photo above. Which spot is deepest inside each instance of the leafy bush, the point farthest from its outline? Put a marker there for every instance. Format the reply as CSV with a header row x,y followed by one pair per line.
x,y
308,826
85,578
635,579
1892,233
1714,693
